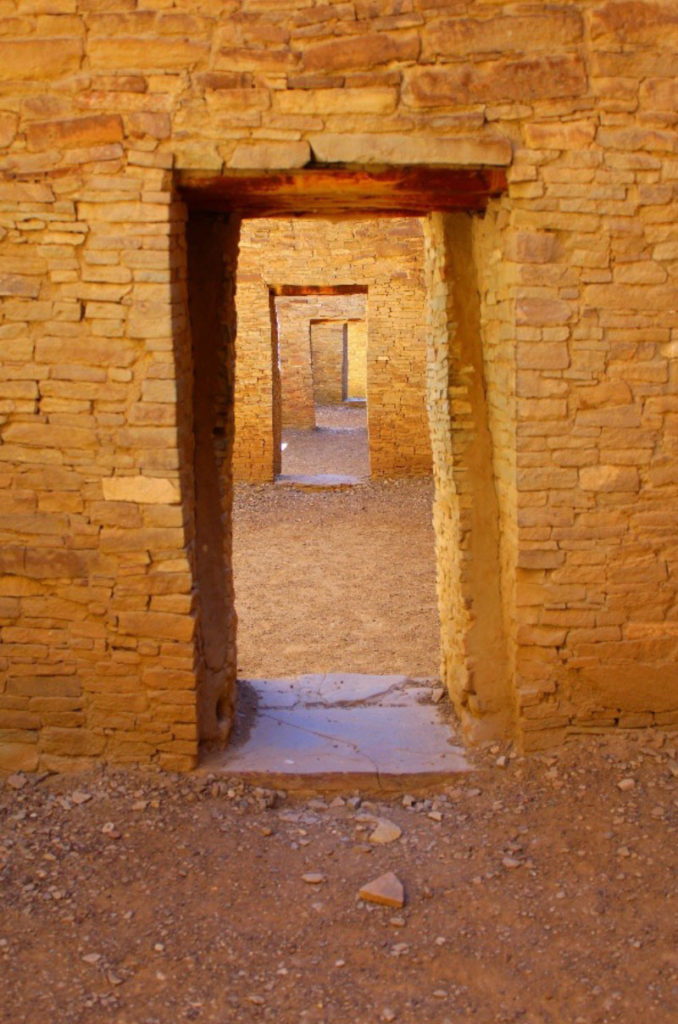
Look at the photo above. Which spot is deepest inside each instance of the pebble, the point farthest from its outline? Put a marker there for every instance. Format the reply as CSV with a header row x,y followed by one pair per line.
x,y
385,832
313,878
388,1014
80,797
511,862
92,958
387,890
626,784
16,781
435,816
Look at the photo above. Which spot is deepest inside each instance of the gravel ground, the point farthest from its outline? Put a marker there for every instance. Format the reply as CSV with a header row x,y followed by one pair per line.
x,y
336,581
541,890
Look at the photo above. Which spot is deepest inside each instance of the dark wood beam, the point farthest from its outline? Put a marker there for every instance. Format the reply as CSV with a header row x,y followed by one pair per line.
x,y
342,192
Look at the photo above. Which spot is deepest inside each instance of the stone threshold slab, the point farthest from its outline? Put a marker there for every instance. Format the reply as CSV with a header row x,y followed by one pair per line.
x,y
319,481
341,732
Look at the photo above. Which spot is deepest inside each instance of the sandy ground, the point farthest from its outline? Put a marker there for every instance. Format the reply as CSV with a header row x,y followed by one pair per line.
x,y
336,580
542,891
337,445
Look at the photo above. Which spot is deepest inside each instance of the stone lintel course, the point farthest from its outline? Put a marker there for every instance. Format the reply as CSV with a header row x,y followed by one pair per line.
x,y
572,444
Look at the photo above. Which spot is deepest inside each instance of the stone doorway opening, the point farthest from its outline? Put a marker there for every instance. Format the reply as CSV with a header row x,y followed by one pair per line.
x,y
471,562
319,351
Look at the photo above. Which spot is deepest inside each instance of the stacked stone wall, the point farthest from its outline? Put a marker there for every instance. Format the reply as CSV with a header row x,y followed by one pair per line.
x,y
356,344
104,106
327,354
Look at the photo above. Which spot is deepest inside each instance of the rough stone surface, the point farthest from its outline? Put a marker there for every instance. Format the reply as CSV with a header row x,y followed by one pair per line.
x,y
387,890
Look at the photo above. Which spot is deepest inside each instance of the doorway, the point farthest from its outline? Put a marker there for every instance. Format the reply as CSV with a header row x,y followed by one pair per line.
x,y
476,679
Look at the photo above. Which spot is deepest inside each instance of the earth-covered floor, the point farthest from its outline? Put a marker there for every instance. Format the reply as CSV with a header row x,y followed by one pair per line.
x,y
542,891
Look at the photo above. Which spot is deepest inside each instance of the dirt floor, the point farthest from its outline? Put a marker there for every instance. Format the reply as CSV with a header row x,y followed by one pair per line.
x,y
336,580
541,891
337,445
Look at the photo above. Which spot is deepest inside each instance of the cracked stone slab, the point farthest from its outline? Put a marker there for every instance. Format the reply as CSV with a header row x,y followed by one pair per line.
x,y
359,730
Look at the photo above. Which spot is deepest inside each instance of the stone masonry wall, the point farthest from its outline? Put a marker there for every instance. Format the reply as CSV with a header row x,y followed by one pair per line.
x,y
386,257
104,104
356,331
327,352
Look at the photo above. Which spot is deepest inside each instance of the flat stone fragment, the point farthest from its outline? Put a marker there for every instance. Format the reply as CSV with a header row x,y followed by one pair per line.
x,y
313,878
387,890
16,781
385,832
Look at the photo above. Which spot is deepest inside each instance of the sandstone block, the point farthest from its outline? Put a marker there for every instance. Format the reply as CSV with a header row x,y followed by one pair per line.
x,y
410,149
460,37
362,51
80,131
148,122
631,297
88,351
145,53
542,311
141,489
8,127
609,478
335,101
270,156
569,135
531,247
37,59
502,81
71,742
160,625
18,757
636,21
544,355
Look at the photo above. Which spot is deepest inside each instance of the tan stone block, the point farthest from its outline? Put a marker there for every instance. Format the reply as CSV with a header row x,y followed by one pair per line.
x,y
659,94
410,149
18,757
152,123
542,311
70,742
152,539
85,350
531,247
81,131
605,394
542,636
335,101
124,212
499,81
644,272
568,135
550,29
160,678
163,625
631,297
540,559
609,478
360,51
141,489
145,53
270,156
37,59
543,355
635,21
